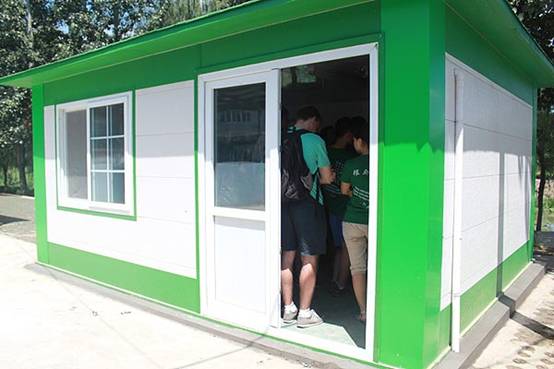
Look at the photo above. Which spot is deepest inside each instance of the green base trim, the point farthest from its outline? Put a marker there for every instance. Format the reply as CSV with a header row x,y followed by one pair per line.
x,y
167,287
68,266
483,294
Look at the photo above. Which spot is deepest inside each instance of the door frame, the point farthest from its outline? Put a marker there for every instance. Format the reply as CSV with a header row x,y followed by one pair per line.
x,y
371,50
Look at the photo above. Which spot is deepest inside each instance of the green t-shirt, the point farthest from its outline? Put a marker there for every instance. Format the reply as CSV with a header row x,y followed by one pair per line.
x,y
334,199
356,172
315,155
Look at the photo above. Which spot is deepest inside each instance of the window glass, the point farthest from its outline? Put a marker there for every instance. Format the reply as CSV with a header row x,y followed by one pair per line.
x,y
76,154
117,181
116,119
100,186
99,150
117,157
240,147
98,121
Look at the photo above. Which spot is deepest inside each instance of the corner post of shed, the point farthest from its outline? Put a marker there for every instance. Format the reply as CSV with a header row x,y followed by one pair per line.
x,y
39,172
411,182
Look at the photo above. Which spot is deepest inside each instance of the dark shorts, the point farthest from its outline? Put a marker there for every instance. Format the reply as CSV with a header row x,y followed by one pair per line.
x,y
303,227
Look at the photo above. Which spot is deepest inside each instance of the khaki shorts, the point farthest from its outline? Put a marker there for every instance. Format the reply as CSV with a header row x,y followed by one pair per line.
x,y
355,237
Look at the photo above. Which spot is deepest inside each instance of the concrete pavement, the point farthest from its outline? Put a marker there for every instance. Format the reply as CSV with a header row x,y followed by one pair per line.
x,y
50,324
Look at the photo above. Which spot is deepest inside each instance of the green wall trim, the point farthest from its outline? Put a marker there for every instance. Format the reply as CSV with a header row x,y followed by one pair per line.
x,y
106,213
166,287
466,44
411,180
480,296
313,48
39,173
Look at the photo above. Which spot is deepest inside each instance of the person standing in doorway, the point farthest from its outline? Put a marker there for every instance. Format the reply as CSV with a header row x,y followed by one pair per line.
x,y
339,152
355,184
303,224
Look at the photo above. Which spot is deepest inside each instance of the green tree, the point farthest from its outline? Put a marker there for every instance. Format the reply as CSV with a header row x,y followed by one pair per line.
x,y
175,11
538,18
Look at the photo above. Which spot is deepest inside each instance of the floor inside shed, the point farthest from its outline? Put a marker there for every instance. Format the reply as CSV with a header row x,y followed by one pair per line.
x,y
338,312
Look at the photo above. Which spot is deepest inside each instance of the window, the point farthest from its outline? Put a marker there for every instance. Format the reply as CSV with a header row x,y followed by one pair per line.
x,y
94,154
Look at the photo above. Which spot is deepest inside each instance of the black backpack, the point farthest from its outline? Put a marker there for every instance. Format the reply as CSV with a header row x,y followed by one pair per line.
x,y
296,179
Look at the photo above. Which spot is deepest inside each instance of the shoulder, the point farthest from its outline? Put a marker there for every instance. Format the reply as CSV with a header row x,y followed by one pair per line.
x,y
313,141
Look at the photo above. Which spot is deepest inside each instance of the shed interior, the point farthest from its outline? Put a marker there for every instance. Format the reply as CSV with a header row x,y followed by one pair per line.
x,y
337,88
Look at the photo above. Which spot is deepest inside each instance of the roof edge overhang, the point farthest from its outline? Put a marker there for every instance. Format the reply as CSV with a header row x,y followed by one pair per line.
x,y
495,22
206,28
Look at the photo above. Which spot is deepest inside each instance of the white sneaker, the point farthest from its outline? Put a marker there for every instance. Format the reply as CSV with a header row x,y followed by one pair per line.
x,y
309,321
289,317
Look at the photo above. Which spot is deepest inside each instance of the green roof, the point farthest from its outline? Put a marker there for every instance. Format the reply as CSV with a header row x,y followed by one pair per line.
x,y
493,19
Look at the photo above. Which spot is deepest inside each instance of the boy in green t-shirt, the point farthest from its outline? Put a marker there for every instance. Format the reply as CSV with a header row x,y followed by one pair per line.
x,y
339,152
355,184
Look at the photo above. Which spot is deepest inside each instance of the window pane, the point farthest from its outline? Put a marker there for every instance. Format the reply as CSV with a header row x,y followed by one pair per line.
x,y
98,148
76,154
116,119
117,157
99,187
240,146
98,121
117,181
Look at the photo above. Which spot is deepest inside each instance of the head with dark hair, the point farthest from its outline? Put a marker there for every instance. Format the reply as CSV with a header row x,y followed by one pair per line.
x,y
308,118
328,134
360,132
343,127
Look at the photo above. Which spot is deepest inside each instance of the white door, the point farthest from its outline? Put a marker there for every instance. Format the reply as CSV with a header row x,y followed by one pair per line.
x,y
242,192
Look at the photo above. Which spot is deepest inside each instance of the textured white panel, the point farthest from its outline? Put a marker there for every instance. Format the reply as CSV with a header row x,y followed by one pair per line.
x,y
166,156
480,252
165,109
497,165
166,198
163,236
481,200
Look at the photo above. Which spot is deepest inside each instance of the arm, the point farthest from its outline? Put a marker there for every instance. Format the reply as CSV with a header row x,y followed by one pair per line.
x,y
326,175
346,189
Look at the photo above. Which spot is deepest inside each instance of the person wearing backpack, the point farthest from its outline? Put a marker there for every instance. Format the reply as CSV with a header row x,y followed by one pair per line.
x,y
304,167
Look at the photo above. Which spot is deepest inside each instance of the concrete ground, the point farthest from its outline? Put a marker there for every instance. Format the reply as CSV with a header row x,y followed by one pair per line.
x,y
527,340
49,324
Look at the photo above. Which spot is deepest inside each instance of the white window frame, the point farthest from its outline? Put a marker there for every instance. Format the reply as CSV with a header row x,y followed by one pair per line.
x,y
88,204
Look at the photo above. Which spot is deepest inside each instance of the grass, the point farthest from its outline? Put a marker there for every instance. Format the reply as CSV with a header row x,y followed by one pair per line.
x,y
13,184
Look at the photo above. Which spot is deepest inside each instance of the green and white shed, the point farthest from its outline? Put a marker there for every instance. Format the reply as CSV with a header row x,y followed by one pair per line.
x,y
156,160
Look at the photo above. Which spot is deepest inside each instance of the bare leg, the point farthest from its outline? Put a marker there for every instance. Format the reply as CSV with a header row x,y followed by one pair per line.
x,y
359,281
344,266
308,275
287,263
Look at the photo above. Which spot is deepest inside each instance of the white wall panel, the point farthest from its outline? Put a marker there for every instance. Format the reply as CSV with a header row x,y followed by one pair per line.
x,y
496,174
165,155
163,236
165,109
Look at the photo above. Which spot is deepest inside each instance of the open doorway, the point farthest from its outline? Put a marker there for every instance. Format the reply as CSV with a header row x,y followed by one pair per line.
x,y
339,90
